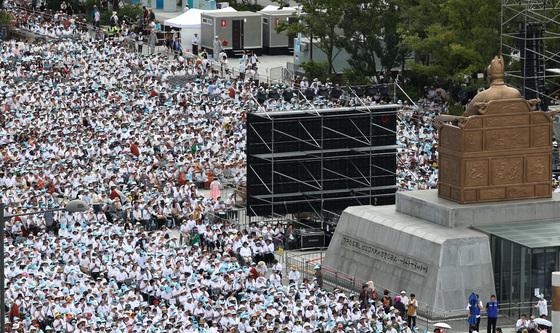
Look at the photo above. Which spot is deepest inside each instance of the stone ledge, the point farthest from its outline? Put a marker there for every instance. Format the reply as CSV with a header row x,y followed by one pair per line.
x,y
428,206
397,251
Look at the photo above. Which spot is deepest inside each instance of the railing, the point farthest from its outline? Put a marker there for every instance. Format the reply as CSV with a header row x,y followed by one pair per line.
x,y
294,69
269,219
279,74
516,309
287,75
228,216
305,263
46,14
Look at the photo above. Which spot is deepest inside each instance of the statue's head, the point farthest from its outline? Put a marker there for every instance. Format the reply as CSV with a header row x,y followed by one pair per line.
x,y
496,69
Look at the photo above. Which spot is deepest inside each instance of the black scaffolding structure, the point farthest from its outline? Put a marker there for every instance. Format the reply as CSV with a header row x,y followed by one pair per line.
x,y
320,161
530,43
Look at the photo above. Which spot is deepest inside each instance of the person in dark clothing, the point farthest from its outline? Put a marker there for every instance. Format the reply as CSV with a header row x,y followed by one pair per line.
x,y
387,301
261,95
492,311
319,276
399,305
49,221
114,20
336,92
364,297
309,93
177,47
194,44
287,95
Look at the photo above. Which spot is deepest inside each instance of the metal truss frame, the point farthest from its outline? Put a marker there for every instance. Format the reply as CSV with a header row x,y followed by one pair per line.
x,y
313,189
516,16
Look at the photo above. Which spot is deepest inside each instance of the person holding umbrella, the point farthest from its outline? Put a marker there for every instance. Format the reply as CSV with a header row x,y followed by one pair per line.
x,y
441,327
543,325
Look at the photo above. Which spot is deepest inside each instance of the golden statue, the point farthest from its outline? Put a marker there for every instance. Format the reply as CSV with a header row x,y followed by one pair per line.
x,y
497,90
499,150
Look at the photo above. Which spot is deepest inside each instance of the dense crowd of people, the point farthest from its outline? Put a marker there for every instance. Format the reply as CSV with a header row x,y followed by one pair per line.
x,y
417,140
52,25
417,152
137,138
84,118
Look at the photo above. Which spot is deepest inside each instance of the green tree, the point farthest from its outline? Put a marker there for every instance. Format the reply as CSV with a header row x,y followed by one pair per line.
x,y
362,29
392,53
476,25
320,22
450,38
371,32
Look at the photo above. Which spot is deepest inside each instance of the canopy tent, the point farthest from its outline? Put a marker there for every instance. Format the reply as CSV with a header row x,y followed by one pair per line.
x,y
273,8
189,22
191,18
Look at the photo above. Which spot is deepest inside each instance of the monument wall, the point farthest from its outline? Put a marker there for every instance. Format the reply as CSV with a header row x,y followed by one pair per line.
x,y
441,266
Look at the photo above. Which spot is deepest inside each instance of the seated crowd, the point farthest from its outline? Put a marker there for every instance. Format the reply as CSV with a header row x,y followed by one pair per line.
x,y
87,119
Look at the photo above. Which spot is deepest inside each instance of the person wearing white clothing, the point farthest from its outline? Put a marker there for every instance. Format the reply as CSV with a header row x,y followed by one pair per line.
x,y
246,253
521,323
542,305
194,43
294,276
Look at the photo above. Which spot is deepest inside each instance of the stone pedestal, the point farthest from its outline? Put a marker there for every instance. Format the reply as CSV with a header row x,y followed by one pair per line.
x,y
427,206
426,245
442,266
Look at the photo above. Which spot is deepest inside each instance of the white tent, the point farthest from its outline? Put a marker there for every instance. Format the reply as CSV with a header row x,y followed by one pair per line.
x,y
273,8
189,22
189,19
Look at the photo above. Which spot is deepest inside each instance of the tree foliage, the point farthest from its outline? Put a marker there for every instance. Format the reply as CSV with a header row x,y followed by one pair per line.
x,y
320,21
362,28
245,5
371,32
450,39
444,40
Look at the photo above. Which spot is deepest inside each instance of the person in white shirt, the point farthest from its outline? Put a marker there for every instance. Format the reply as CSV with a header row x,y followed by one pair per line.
x,y
223,59
404,298
194,43
294,276
405,328
275,279
542,305
268,249
242,67
140,42
96,17
521,323
277,267
246,253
